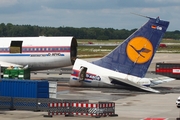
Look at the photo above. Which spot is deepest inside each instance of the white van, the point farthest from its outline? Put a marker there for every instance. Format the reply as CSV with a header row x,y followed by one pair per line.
x,y
178,102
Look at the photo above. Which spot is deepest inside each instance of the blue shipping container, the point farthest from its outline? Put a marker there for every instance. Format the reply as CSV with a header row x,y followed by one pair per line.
x,y
24,88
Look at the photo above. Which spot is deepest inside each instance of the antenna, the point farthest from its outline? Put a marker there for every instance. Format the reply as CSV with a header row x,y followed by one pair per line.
x,y
141,15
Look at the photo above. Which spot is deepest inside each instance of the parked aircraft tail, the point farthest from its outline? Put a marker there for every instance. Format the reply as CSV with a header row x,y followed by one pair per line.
x,y
127,64
135,54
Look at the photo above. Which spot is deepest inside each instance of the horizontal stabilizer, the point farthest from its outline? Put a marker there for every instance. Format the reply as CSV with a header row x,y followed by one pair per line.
x,y
160,80
129,83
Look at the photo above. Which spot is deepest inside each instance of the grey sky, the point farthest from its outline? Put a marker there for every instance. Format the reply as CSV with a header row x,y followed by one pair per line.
x,y
89,13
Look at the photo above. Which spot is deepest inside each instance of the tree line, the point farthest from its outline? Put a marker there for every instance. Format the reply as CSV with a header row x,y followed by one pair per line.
x,y
10,30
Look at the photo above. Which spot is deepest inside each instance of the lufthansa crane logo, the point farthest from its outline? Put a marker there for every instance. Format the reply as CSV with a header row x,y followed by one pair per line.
x,y
139,50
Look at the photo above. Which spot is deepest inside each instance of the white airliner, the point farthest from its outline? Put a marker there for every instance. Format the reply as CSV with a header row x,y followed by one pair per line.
x,y
127,64
39,53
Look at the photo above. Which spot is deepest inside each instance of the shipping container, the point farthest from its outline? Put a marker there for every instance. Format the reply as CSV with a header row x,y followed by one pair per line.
x,y
168,69
16,73
24,88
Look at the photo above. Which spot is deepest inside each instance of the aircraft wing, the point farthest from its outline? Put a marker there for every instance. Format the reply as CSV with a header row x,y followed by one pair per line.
x,y
131,84
160,80
6,64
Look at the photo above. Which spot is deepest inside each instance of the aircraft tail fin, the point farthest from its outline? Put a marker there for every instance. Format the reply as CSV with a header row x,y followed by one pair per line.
x,y
135,54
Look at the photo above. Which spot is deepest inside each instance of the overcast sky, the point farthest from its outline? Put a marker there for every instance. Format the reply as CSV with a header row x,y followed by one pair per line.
x,y
89,13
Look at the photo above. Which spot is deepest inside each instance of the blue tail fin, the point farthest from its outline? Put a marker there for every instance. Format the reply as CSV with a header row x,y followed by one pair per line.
x,y
135,54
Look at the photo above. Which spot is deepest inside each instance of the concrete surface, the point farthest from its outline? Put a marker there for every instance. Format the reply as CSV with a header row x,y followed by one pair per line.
x,y
130,105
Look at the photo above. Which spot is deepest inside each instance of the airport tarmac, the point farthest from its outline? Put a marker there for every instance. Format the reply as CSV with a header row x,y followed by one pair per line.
x,y
130,105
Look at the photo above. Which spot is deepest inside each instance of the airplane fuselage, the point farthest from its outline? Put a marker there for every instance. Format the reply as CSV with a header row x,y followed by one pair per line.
x,y
38,61
127,64
39,53
97,76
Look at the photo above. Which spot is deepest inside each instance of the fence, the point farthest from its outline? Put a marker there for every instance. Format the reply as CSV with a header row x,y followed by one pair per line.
x,y
82,108
59,107
34,104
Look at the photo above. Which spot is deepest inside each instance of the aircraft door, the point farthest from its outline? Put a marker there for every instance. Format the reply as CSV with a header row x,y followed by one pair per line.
x,y
82,73
15,47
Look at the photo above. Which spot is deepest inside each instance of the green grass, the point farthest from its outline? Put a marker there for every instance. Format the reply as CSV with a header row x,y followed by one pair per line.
x,y
85,41
121,40
170,41
170,49
94,51
97,51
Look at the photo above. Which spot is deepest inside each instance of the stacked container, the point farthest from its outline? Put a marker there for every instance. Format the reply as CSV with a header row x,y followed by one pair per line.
x,y
24,88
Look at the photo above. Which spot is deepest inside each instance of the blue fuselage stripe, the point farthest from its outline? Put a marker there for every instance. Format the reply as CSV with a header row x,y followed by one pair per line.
x,y
13,55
